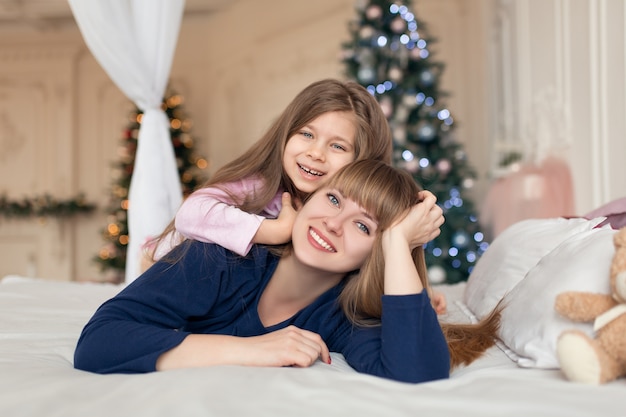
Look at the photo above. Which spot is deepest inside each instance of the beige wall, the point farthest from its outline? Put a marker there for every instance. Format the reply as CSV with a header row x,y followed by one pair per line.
x,y
61,117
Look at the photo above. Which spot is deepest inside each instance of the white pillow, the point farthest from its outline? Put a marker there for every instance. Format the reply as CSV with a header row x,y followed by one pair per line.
x,y
530,325
512,254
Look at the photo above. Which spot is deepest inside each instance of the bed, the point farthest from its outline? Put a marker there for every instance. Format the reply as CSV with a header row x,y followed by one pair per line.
x,y
529,263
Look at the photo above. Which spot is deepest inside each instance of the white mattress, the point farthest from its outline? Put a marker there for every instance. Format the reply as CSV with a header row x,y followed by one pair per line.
x,y
40,322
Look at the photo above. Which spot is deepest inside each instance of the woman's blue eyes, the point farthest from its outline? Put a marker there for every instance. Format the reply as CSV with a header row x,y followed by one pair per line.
x,y
335,202
363,227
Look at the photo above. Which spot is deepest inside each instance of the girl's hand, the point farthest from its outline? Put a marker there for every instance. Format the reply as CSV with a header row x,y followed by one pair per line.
x,y
278,231
438,301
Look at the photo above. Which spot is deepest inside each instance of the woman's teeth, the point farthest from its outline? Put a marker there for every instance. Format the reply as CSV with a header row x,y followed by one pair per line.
x,y
321,241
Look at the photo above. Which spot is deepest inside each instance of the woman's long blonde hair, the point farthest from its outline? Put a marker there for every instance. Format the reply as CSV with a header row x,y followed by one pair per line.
x,y
387,194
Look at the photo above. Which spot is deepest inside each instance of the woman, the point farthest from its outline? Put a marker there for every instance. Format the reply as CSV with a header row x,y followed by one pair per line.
x,y
353,281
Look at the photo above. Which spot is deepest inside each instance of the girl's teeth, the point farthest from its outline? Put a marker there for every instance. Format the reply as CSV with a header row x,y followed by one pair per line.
x,y
311,171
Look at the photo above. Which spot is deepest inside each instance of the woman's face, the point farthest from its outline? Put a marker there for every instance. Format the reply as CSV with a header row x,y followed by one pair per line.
x,y
333,233
319,149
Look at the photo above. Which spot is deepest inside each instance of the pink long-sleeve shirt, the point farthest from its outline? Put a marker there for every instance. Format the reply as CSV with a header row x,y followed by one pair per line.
x,y
208,215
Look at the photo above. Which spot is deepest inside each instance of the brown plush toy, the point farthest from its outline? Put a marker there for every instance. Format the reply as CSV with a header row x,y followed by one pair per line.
x,y
600,359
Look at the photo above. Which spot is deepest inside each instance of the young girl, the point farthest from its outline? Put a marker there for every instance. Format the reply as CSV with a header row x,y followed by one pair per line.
x,y
349,282
326,126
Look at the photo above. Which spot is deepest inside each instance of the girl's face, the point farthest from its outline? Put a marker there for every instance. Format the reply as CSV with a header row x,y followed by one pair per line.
x,y
319,149
333,233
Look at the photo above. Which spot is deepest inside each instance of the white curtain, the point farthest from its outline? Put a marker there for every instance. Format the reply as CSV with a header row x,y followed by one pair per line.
x,y
134,41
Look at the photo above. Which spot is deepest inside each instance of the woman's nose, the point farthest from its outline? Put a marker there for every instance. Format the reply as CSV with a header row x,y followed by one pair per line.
x,y
334,224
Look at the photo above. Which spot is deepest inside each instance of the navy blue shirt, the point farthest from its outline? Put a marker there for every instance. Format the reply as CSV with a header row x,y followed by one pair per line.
x,y
214,291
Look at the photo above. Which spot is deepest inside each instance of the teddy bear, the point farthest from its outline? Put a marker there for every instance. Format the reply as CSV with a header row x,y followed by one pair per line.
x,y
601,358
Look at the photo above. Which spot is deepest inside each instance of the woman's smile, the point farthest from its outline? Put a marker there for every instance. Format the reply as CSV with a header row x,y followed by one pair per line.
x,y
318,241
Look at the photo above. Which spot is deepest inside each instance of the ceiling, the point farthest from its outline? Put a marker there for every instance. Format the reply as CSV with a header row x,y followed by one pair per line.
x,y
51,14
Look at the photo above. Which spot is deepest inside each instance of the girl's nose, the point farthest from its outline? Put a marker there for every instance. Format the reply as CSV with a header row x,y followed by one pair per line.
x,y
316,152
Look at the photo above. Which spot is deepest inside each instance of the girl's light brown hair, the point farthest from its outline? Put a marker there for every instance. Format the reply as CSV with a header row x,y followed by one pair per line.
x,y
264,159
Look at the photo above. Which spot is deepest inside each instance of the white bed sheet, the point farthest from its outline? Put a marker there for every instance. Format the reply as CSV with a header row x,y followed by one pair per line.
x,y
41,320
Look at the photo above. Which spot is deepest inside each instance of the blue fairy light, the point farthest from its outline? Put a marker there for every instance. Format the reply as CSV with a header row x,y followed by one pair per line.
x,y
381,41
407,155
424,162
453,251
443,114
437,252
429,101
478,237
471,256
456,263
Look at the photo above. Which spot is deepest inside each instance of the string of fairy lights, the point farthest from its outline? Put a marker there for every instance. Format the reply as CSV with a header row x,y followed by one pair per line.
x,y
191,170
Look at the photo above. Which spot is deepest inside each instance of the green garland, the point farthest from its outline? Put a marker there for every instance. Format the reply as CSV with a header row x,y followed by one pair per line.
x,y
44,206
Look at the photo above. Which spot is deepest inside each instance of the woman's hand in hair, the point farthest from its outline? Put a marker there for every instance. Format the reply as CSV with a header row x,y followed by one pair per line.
x,y
427,218
401,275
278,231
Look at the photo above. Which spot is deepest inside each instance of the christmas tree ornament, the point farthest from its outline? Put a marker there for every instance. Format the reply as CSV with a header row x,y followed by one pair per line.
x,y
373,12
427,78
398,25
436,275
460,239
426,132
444,166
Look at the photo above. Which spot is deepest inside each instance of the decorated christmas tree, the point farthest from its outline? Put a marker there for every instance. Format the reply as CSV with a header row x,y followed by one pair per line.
x,y
389,54
112,256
